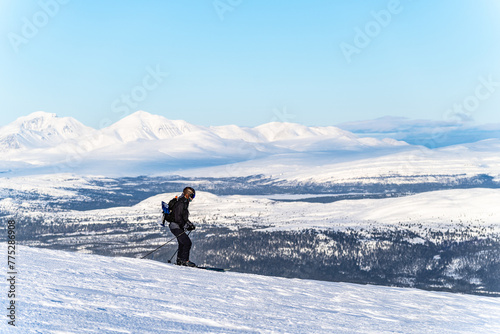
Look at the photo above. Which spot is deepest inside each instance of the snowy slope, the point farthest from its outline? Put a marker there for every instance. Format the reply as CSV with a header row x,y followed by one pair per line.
x,y
62,292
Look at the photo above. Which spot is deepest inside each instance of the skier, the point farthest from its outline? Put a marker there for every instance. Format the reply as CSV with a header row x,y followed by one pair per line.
x,y
180,224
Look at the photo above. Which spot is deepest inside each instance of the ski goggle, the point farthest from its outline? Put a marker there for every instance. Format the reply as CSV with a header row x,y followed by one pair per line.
x,y
192,196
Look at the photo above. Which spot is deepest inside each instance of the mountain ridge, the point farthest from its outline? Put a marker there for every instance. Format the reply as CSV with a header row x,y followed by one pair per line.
x,y
46,130
143,144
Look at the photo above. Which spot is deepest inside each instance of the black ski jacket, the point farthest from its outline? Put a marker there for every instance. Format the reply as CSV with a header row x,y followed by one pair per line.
x,y
181,213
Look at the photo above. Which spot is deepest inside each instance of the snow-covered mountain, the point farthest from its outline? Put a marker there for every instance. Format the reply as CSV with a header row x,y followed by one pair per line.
x,y
300,137
276,131
144,126
40,130
42,139
146,144
63,292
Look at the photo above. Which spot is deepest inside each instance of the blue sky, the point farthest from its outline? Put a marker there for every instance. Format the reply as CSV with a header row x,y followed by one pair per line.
x,y
250,62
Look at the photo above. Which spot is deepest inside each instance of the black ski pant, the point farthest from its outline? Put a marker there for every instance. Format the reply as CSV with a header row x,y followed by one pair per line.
x,y
184,244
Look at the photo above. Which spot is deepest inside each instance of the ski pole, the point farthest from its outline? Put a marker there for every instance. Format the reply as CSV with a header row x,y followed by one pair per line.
x,y
161,246
170,260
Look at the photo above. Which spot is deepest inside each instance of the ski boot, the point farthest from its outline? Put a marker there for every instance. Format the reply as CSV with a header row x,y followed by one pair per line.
x,y
185,263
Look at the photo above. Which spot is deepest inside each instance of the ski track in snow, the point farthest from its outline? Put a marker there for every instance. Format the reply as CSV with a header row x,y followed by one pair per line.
x,y
64,292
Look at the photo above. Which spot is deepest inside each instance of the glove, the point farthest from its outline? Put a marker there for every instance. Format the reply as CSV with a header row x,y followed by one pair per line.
x,y
190,226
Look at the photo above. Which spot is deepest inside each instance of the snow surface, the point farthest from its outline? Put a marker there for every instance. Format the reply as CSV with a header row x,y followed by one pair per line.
x,y
63,292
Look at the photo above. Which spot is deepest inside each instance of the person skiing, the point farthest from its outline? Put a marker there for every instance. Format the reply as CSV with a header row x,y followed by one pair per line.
x,y
181,224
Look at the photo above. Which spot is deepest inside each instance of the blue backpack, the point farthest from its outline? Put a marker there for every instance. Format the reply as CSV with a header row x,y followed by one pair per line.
x,y
168,210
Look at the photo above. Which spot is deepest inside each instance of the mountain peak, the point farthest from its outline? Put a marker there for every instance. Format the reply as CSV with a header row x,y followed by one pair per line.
x,y
276,131
36,121
39,114
42,121
40,129
143,125
139,117
141,114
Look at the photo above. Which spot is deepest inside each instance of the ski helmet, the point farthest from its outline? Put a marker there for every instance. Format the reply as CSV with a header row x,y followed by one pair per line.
x,y
190,192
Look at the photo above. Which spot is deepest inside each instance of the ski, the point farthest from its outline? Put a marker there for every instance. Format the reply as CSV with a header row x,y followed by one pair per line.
x,y
222,270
